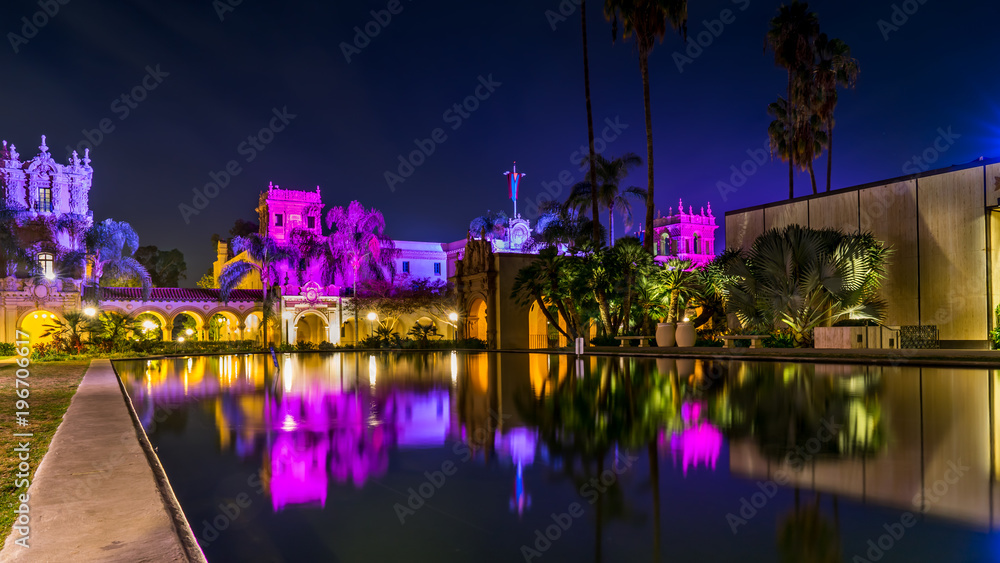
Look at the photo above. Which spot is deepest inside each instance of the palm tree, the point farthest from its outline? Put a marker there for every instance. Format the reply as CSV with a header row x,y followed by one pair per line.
x,y
113,328
590,122
260,254
835,68
357,238
807,139
676,284
799,278
111,245
791,37
610,174
13,254
69,333
561,226
553,280
631,263
490,224
647,20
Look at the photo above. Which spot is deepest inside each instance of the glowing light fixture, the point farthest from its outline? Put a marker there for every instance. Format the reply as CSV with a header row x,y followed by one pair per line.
x,y
50,276
372,316
180,339
90,311
189,332
452,317
687,319
148,325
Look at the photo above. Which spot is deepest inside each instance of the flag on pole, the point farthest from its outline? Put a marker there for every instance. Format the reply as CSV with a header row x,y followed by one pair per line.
x,y
513,180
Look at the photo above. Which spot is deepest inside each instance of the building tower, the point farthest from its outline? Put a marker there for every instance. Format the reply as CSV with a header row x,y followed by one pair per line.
x,y
686,236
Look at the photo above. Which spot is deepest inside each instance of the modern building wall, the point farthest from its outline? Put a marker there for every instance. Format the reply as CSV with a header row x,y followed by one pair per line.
x,y
942,226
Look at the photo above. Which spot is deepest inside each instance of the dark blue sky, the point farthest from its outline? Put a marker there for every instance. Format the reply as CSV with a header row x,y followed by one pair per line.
x,y
225,78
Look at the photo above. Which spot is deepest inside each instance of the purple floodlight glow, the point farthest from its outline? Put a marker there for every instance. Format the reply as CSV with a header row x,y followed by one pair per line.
x,y
699,443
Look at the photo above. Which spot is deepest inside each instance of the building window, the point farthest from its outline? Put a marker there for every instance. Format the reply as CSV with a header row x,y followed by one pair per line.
x,y
437,268
311,222
45,263
45,200
279,220
697,244
406,267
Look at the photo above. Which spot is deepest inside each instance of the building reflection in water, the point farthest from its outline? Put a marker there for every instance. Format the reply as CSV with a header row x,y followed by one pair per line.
x,y
332,420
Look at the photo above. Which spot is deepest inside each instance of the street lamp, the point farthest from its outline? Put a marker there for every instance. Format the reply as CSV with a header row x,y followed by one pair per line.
x,y
453,317
287,315
372,316
90,311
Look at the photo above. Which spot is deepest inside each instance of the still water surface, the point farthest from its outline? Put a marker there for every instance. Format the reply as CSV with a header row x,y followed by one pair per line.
x,y
514,457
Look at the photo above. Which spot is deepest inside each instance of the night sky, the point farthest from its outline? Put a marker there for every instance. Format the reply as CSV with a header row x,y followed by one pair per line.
x,y
218,80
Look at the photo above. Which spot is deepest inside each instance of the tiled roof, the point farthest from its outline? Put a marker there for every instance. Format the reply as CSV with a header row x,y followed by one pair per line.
x,y
171,294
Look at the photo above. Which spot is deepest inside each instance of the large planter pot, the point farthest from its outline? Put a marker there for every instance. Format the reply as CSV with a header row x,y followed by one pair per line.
x,y
665,334
685,335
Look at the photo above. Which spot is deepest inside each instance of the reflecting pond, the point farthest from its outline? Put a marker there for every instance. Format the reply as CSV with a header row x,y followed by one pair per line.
x,y
532,457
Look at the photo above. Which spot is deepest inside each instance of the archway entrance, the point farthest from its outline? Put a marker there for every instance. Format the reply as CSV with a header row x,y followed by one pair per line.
x,y
36,323
475,325
310,327
538,328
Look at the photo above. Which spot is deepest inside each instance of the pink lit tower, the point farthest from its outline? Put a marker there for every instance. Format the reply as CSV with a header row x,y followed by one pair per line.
x,y
686,236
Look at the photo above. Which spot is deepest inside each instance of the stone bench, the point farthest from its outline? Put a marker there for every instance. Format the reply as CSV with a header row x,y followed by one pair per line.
x,y
755,339
642,340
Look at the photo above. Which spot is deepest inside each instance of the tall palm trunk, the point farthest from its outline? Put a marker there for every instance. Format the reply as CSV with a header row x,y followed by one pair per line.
x,y
590,123
812,177
790,118
829,154
647,241
611,225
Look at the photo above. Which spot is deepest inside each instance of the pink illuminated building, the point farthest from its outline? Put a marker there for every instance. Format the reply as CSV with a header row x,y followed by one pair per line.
x,y
686,235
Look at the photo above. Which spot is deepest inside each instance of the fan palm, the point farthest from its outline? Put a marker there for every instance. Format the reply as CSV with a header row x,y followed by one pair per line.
x,y
255,254
791,36
610,174
69,333
835,68
799,278
647,20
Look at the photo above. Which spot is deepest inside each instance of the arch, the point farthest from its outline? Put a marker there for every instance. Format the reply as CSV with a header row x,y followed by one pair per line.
x,y
475,324
197,332
222,325
696,239
310,326
664,245
35,322
538,328
251,326
347,332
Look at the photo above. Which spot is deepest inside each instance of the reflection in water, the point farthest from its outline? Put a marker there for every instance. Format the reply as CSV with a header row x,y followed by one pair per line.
x,y
326,424
699,442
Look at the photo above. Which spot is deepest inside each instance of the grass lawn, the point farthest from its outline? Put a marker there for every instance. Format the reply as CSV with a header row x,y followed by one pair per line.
x,y
52,385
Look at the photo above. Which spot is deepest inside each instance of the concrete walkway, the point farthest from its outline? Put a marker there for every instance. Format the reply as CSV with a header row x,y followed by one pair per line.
x,y
95,496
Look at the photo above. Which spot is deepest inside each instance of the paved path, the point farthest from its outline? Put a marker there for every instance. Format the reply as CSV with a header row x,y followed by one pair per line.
x,y
95,496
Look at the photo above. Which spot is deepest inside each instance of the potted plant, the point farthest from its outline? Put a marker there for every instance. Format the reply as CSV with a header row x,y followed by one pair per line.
x,y
676,283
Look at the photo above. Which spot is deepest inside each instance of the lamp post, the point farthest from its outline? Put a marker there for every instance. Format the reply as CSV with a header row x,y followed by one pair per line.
x,y
372,316
453,317
287,316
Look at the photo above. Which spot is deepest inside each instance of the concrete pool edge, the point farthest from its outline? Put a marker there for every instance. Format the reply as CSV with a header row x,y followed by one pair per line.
x,y
173,507
95,495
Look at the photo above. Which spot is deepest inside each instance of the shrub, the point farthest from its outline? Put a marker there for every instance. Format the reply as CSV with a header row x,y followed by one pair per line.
x,y
7,349
780,340
709,341
604,341
304,346
326,346
471,344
